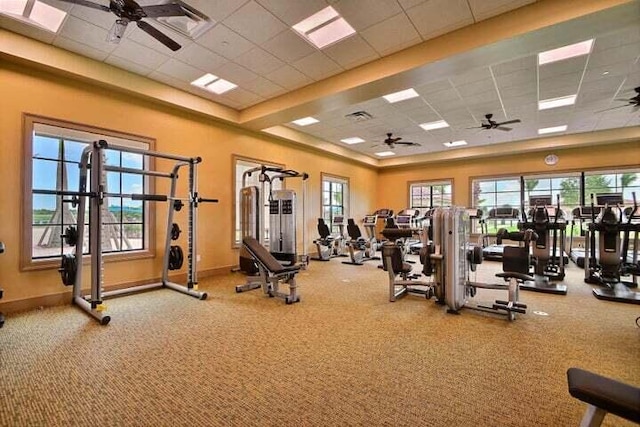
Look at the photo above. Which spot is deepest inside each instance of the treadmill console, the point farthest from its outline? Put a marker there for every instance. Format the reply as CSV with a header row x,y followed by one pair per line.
x,y
370,220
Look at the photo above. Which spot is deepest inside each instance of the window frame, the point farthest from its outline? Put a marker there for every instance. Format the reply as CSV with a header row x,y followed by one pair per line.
x,y
27,263
235,244
428,183
346,198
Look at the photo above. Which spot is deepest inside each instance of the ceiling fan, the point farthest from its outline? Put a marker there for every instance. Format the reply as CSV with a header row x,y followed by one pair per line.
x,y
130,11
492,124
634,102
392,142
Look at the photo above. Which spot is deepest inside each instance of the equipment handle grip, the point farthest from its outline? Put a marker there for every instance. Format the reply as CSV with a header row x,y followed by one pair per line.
x,y
149,197
203,200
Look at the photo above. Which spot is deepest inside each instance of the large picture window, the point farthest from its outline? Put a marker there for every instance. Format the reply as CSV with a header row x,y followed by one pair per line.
x,y
430,194
52,158
335,199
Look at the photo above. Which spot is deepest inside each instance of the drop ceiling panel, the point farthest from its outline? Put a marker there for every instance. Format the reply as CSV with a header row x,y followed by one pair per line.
x,y
567,66
217,9
235,73
288,46
363,14
351,52
86,33
136,54
242,96
259,61
180,71
26,30
472,76
82,49
255,23
289,78
391,35
128,64
437,17
94,16
627,52
518,64
317,66
293,12
225,42
483,9
263,87
197,56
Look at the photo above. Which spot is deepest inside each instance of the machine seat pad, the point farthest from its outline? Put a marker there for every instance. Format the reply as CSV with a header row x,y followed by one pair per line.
x,y
611,395
265,258
516,275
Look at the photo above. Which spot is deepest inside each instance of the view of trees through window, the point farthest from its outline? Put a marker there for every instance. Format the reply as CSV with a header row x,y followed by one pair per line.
x,y
334,195
425,195
507,192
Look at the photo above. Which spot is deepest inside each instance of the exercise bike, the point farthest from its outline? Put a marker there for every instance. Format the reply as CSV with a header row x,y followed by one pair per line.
x,y
328,245
360,248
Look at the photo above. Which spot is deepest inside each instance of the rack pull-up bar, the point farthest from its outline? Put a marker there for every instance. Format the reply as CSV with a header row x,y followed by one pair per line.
x,y
104,145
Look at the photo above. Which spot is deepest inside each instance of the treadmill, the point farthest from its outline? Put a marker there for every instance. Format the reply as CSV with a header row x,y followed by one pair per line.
x,y
494,251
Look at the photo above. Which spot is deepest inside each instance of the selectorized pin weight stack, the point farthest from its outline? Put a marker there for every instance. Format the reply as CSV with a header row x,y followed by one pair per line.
x,y
71,267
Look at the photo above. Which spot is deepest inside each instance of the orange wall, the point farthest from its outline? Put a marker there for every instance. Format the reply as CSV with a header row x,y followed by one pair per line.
x,y
394,183
26,90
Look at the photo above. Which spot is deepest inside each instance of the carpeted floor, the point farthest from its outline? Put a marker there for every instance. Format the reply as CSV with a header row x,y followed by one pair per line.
x,y
343,356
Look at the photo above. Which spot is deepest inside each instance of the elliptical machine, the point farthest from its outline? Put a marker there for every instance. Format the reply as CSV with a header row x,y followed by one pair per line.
x,y
548,248
607,267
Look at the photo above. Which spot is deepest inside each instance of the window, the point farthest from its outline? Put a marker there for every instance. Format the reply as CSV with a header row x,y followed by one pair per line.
x,y
241,165
430,194
497,193
52,158
335,199
567,186
623,181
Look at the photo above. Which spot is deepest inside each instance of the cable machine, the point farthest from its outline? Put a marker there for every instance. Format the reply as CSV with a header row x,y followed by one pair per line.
x,y
92,164
282,217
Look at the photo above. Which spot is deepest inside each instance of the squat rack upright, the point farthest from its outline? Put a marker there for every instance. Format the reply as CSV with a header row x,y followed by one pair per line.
x,y
92,162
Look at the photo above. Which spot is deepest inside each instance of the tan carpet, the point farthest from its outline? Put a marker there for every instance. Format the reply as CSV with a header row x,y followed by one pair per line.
x,y
343,356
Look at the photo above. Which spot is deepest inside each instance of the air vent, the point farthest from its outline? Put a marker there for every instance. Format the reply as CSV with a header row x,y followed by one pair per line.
x,y
359,116
194,24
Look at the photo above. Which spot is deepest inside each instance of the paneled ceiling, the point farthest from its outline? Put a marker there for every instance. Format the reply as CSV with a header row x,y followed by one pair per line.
x,y
252,45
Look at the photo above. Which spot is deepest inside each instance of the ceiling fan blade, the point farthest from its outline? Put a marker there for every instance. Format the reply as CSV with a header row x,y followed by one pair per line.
x,y
88,4
623,100
407,143
156,34
506,129
169,9
508,122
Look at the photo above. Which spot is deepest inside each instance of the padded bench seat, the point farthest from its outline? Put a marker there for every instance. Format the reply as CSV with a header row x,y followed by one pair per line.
x,y
604,395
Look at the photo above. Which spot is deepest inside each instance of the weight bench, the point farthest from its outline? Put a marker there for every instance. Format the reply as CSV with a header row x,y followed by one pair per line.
x,y
603,395
271,273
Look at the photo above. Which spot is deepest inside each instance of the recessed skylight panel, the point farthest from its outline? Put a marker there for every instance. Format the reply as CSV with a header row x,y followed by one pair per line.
x,y
553,129
324,28
435,125
455,143
34,12
214,84
562,101
352,140
401,95
305,121
565,52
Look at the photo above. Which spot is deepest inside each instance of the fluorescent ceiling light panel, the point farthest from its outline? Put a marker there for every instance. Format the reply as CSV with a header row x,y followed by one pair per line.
x,y
385,153
553,129
455,143
214,84
565,52
305,121
401,96
434,125
47,16
14,7
353,140
563,101
324,28
34,12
